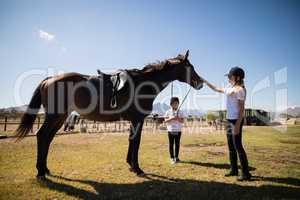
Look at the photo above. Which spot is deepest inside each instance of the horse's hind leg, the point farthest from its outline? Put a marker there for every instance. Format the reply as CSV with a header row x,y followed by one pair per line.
x,y
59,121
45,135
133,148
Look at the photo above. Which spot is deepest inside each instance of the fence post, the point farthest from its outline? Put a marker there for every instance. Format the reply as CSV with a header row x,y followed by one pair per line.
x,y
5,121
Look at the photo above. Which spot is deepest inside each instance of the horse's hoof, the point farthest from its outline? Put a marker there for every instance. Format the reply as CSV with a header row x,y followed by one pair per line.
x,y
131,169
47,172
141,174
41,177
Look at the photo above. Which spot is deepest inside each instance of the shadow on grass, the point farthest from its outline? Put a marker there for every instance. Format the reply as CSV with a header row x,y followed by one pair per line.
x,y
288,180
214,165
160,187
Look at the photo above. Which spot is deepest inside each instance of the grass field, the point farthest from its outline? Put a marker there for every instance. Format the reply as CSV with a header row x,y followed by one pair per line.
x,y
92,166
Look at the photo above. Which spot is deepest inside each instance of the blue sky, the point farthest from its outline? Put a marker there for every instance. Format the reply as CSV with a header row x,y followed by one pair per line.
x,y
263,36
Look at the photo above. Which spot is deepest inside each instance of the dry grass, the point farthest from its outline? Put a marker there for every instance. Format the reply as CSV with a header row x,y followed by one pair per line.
x,y
92,166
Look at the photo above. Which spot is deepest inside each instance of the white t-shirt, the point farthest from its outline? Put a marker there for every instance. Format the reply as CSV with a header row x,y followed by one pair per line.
x,y
174,126
232,98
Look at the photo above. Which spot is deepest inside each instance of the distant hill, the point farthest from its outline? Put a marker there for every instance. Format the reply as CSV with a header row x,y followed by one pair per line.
x,y
17,109
158,108
293,111
161,108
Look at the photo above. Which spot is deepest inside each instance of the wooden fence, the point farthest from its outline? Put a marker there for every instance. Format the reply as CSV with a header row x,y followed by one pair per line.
x,y
9,125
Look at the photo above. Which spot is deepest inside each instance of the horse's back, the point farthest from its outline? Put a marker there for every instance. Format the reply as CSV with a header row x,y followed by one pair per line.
x,y
70,77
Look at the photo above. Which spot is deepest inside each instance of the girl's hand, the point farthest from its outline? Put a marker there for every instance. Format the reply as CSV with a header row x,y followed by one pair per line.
x,y
173,118
179,119
213,87
169,119
236,129
176,118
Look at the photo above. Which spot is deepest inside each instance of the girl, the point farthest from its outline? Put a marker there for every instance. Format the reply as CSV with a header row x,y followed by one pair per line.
x,y
235,103
174,120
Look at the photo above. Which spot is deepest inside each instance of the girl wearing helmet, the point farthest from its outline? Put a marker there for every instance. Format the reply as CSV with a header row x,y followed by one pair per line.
x,y
235,105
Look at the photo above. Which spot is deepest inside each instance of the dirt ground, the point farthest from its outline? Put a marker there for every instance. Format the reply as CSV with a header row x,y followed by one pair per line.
x,y
92,166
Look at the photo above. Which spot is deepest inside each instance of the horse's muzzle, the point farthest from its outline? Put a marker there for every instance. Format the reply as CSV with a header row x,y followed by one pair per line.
x,y
199,86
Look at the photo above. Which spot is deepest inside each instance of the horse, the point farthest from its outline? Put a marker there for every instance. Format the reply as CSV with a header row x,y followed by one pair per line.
x,y
91,97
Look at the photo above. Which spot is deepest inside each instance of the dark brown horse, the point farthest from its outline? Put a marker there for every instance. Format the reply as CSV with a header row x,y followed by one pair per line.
x,y
91,97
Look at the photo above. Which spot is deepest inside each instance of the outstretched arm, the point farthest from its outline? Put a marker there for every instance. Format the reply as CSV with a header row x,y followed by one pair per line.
x,y
213,87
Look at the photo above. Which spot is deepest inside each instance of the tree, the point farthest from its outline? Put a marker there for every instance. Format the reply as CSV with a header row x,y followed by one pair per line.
x,y
211,117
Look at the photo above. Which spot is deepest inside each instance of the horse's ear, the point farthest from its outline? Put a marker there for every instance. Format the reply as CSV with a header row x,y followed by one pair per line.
x,y
186,54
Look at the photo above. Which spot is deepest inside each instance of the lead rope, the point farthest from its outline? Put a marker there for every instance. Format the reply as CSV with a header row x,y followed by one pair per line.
x,y
183,100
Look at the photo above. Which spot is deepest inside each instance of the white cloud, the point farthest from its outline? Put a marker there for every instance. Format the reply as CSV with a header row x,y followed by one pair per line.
x,y
46,36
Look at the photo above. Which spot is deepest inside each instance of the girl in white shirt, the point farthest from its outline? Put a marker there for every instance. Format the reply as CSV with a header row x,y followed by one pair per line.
x,y
235,103
174,120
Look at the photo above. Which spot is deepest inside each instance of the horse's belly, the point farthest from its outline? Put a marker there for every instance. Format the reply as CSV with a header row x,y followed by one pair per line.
x,y
102,117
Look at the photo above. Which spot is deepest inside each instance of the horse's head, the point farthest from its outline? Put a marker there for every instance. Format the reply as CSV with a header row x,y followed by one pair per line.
x,y
182,70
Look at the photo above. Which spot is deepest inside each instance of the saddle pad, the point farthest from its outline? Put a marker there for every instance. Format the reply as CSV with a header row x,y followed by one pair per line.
x,y
123,75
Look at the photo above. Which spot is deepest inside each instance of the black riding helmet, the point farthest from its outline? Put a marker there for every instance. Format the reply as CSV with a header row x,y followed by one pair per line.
x,y
237,72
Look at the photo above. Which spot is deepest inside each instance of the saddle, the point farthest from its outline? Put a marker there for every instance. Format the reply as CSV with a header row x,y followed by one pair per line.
x,y
118,80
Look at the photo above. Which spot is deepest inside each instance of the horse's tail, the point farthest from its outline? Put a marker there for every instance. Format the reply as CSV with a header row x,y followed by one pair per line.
x,y
29,116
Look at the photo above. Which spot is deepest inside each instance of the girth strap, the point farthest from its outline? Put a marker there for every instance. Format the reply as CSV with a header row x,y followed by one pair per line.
x,y
113,102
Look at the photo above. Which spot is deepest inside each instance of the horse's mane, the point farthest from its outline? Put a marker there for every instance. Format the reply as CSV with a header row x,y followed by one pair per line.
x,y
159,65
151,67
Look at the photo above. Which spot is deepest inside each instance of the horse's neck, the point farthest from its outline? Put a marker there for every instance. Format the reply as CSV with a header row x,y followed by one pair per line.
x,y
162,80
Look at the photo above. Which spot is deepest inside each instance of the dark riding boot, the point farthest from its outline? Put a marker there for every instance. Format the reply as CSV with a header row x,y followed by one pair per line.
x,y
233,165
245,168
231,173
47,171
244,177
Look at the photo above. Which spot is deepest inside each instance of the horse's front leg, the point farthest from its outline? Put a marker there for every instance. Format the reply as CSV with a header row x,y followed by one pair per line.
x,y
129,153
133,148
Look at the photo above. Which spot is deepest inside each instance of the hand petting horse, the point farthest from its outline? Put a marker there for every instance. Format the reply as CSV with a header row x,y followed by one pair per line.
x,y
91,97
